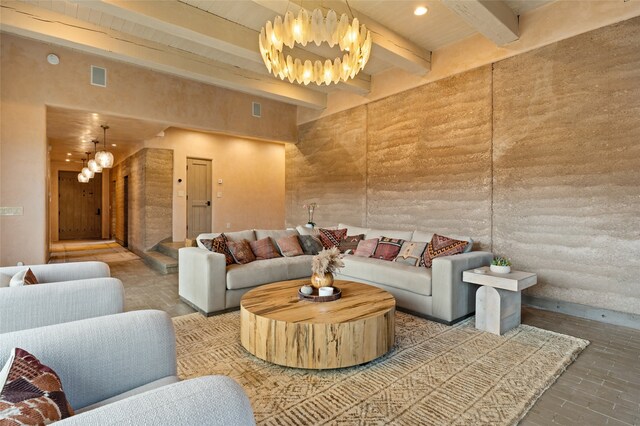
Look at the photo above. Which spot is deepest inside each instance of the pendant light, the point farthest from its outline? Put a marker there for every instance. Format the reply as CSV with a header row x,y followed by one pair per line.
x,y
82,178
104,158
85,170
93,164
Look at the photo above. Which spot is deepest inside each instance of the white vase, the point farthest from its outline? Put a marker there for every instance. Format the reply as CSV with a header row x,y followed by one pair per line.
x,y
500,269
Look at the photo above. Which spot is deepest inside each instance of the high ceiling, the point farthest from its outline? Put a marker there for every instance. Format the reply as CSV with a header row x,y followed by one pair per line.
x,y
216,42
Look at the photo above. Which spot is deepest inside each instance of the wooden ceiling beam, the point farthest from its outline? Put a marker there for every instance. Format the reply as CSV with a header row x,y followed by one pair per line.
x,y
494,19
205,28
387,44
41,24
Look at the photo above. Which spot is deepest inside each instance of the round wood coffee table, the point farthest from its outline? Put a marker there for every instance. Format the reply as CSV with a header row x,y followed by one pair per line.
x,y
277,327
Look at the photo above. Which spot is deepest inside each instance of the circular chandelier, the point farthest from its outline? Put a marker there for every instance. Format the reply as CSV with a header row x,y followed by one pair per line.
x,y
353,39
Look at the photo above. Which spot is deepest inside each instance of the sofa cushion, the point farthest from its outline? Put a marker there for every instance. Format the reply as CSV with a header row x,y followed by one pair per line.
x,y
310,244
5,280
30,392
392,274
331,237
350,243
442,246
388,248
248,235
268,271
366,247
411,253
353,230
241,251
274,234
264,249
290,246
400,235
303,230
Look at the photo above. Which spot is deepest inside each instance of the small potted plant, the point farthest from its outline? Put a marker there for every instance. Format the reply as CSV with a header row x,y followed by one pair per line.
x,y
311,207
324,265
500,265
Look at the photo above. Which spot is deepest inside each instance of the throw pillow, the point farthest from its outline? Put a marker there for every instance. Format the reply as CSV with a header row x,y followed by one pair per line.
x,y
219,245
30,392
24,277
350,243
366,247
411,253
388,248
310,244
441,246
241,251
264,249
331,237
289,246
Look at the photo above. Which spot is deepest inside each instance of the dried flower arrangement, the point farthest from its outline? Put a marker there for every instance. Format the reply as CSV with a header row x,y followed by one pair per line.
x,y
327,261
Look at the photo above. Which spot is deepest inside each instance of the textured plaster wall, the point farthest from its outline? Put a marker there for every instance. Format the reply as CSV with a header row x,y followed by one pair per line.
x,y
252,174
149,172
28,84
536,157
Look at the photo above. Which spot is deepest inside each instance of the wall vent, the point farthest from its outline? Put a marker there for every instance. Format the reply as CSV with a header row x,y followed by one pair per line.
x,y
98,76
256,109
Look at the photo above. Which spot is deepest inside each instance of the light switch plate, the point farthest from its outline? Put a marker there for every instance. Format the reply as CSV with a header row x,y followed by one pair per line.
x,y
219,181
180,193
219,194
10,211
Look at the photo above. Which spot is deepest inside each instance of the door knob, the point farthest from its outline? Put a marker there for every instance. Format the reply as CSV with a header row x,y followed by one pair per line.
x,y
208,203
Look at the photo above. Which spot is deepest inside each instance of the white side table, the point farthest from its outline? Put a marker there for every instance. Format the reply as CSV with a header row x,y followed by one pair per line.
x,y
498,301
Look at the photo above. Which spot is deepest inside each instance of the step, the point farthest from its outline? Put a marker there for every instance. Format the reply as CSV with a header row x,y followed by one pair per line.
x,y
161,262
170,248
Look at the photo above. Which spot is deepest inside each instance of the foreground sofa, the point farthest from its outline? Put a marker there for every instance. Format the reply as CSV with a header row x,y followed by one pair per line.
x,y
67,292
121,370
438,293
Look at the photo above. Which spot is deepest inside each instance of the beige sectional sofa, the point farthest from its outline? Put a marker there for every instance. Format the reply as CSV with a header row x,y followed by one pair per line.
x,y
209,285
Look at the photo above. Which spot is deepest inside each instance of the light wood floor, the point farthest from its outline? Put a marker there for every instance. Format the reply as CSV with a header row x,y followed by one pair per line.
x,y
601,388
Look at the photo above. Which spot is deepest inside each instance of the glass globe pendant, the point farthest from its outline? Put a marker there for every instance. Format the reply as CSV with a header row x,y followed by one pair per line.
x,y
104,158
93,164
81,177
86,172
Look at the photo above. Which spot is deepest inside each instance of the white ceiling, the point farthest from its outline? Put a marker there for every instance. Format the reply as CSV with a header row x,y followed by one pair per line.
x,y
223,35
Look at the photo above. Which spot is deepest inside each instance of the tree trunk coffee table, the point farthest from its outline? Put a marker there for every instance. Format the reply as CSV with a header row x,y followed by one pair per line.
x,y
277,327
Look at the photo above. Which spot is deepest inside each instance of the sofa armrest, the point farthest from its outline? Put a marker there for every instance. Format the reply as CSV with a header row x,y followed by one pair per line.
x,y
453,298
99,358
209,400
55,272
202,278
38,305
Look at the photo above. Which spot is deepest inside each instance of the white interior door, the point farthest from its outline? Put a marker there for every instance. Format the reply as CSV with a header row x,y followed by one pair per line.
x,y
198,197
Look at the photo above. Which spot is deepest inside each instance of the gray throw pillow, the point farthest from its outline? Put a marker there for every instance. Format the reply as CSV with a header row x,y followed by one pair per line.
x,y
310,244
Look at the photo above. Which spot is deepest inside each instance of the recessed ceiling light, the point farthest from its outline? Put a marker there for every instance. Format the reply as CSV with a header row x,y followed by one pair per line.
x,y
420,10
67,160
113,144
53,59
68,154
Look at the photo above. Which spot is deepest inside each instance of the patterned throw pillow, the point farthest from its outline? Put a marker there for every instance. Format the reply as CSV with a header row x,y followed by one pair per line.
x,y
350,243
24,277
31,393
441,246
331,237
241,251
264,249
388,248
310,244
411,253
289,246
219,245
366,247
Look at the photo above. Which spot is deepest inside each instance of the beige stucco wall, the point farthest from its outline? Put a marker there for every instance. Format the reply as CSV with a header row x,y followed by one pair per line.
x,y
252,172
28,83
536,157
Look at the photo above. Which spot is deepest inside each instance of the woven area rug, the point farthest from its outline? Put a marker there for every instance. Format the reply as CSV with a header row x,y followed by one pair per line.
x,y
434,375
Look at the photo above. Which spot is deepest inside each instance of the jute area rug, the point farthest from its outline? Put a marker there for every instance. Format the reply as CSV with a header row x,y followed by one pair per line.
x,y
434,375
